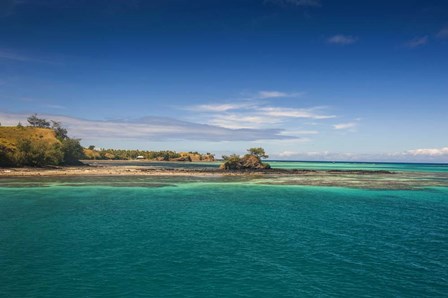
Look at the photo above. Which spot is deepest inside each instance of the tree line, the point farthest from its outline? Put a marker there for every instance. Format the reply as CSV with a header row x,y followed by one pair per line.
x,y
121,154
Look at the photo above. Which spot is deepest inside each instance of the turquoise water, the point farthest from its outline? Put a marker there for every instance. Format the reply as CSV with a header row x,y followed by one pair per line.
x,y
183,237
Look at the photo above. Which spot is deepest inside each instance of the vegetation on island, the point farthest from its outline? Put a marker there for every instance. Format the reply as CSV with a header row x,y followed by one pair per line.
x,y
44,143
41,143
249,161
91,153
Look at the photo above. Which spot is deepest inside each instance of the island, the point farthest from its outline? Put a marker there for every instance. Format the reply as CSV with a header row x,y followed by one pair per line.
x,y
43,149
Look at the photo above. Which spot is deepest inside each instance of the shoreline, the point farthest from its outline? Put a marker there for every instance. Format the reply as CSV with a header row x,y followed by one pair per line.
x,y
89,170
361,179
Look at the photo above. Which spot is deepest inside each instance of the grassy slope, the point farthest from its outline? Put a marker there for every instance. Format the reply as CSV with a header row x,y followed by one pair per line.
x,y
10,134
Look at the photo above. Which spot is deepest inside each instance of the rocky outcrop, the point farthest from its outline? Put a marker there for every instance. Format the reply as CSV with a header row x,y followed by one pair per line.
x,y
247,162
195,156
182,158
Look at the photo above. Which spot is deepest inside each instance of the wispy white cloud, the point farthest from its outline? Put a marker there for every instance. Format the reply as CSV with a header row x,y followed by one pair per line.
x,y
287,154
277,94
349,125
55,106
151,128
418,155
301,155
443,33
249,101
255,111
312,3
259,116
429,152
271,94
280,112
238,121
315,155
417,42
221,107
299,132
9,55
340,39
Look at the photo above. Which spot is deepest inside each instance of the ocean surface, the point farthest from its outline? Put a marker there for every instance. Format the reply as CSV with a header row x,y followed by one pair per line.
x,y
222,237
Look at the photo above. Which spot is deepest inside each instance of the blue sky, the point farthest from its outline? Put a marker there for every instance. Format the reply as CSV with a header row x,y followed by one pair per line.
x,y
306,79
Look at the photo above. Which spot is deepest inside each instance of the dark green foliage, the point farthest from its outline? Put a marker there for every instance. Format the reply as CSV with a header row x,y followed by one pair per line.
x,y
231,162
119,154
37,153
72,151
34,121
251,161
232,157
61,133
258,152
6,156
91,147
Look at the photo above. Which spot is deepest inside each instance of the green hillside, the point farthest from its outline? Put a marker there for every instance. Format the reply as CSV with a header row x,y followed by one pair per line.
x,y
36,146
11,135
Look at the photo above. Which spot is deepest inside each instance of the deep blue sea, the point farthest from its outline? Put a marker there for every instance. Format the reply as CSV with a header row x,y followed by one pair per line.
x,y
208,237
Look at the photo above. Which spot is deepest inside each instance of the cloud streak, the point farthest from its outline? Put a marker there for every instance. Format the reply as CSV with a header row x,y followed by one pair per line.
x,y
442,34
433,152
252,101
340,39
417,42
276,94
8,55
255,112
271,94
342,126
262,115
417,155
221,107
279,112
153,129
239,121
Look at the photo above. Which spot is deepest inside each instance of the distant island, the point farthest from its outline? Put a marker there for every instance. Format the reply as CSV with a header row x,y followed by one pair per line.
x,y
43,148
46,143
91,153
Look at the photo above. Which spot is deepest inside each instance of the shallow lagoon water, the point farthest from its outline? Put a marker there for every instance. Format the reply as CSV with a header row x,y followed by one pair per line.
x,y
219,237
